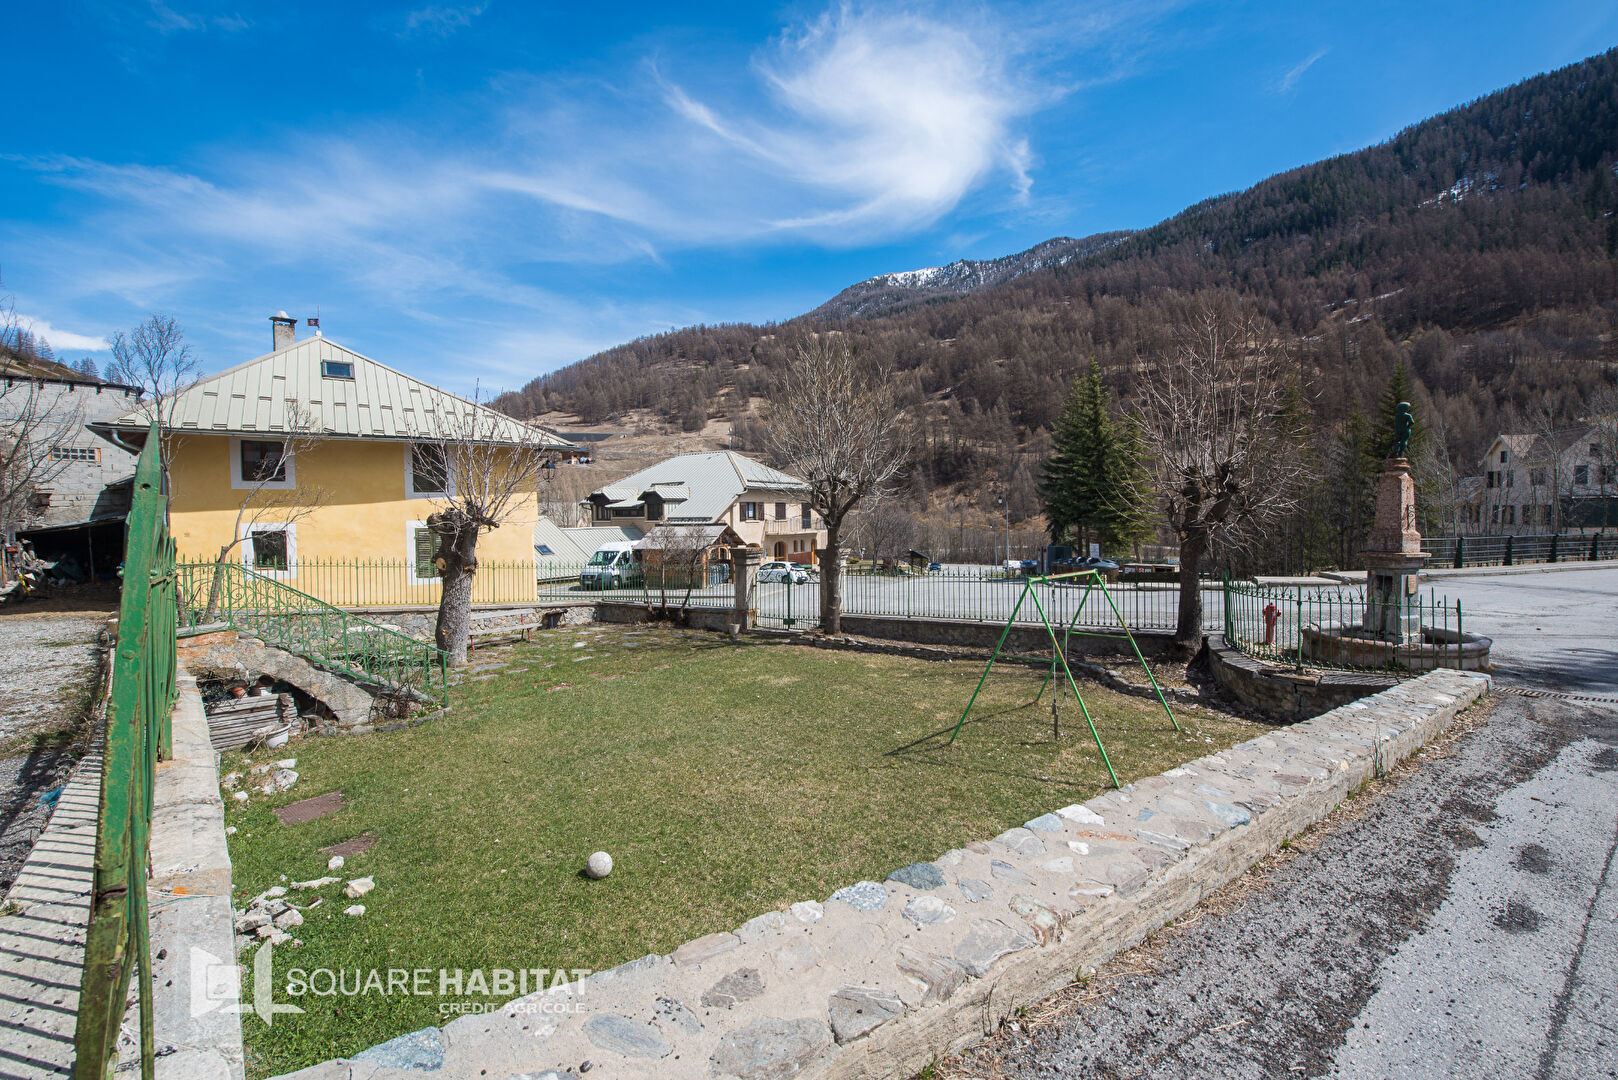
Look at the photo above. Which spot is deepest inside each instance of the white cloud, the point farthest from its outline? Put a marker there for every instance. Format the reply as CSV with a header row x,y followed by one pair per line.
x,y
442,21
1289,81
62,340
854,127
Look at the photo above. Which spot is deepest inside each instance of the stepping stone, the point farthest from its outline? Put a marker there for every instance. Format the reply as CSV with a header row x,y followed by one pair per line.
x,y
362,843
919,875
309,809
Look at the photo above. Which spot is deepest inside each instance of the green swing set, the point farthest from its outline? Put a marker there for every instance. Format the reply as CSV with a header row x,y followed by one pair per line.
x,y
1092,578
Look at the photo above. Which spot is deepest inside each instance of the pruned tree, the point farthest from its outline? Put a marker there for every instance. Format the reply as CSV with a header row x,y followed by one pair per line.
x,y
836,424
267,502
155,358
1224,437
487,467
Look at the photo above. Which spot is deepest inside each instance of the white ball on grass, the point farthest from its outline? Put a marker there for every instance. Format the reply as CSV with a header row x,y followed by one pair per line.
x,y
599,865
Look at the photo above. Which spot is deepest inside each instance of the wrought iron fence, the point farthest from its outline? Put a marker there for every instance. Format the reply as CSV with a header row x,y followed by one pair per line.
x,y
141,702
1305,626
1514,550
365,583
277,614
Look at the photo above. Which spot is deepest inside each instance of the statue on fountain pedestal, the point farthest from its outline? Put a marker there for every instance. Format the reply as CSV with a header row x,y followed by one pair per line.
x,y
1404,422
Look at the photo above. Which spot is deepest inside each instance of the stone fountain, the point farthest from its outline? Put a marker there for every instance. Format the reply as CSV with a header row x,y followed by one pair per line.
x,y
1391,633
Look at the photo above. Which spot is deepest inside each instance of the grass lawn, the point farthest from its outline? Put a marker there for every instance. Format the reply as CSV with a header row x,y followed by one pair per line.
x,y
725,778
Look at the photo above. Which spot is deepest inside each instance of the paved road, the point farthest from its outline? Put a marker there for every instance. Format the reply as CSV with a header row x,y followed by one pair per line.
x,y
1462,921
1557,629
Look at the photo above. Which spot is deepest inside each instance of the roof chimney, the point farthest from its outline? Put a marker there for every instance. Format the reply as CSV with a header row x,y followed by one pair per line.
x,y
284,329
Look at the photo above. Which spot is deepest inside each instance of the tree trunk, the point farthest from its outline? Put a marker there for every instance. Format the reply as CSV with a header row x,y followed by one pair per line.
x,y
216,586
1188,628
831,580
458,553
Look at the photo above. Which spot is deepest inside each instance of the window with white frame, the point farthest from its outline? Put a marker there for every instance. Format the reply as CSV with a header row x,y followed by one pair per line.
x,y
261,463
422,545
271,548
75,453
426,471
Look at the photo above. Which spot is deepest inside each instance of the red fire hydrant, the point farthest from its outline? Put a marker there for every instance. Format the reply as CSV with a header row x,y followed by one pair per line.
x,y
1272,615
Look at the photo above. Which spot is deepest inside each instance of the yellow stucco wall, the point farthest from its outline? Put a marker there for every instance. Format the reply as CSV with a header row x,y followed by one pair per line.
x,y
363,518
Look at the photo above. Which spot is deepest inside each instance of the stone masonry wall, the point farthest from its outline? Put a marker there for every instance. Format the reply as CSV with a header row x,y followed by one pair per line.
x,y
884,976
1283,695
226,650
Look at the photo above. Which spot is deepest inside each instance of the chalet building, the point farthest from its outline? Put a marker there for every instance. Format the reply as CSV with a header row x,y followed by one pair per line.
x,y
765,507
1566,481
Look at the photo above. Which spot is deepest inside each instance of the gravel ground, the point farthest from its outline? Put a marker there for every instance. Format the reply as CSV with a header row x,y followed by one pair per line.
x,y
1417,932
48,663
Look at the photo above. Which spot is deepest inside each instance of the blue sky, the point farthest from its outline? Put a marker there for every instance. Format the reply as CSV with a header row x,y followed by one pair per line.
x,y
478,193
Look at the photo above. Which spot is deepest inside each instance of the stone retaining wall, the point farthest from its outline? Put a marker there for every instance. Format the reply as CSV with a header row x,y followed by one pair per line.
x,y
953,632
1287,695
882,977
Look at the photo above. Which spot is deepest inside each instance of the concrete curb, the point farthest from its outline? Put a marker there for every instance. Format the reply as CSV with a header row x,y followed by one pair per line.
x,y
192,924
883,977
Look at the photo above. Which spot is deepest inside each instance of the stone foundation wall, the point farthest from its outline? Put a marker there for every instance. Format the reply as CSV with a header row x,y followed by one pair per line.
x,y
1284,695
1030,640
882,977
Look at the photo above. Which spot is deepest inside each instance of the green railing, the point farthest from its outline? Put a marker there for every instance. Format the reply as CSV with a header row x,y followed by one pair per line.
x,y
364,583
1304,627
137,734
211,594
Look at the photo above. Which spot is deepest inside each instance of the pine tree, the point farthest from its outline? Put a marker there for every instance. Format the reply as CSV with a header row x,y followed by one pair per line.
x,y
1093,485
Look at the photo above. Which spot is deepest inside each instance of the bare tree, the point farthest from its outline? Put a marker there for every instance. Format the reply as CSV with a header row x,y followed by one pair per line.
x,y
1439,481
838,426
155,358
1224,436
35,420
884,528
487,466
266,501
676,556
1604,430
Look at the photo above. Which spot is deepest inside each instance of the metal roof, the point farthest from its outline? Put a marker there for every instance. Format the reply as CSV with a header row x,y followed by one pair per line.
x,y
712,481
591,539
564,548
682,536
377,403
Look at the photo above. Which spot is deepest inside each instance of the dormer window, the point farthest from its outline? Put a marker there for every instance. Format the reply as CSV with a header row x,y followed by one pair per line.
x,y
336,369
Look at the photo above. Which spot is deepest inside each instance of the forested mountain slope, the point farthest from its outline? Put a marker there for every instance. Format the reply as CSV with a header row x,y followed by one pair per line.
x,y
1479,246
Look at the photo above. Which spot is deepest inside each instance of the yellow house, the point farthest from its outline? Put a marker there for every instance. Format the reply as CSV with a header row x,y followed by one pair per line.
x,y
345,518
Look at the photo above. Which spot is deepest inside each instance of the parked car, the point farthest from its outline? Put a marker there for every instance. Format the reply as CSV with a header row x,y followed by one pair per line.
x,y
787,573
613,566
935,568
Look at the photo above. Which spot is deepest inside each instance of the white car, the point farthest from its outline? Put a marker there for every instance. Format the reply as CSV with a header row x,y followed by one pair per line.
x,y
785,572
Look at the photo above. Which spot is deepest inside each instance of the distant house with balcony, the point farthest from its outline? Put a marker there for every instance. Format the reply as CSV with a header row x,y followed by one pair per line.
x,y
1564,481
765,507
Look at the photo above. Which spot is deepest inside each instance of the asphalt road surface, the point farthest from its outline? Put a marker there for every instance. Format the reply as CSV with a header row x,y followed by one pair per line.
x,y
1458,920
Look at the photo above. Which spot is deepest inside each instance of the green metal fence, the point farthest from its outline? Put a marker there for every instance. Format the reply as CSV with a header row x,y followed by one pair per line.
x,y
364,583
1516,550
211,594
1296,625
137,734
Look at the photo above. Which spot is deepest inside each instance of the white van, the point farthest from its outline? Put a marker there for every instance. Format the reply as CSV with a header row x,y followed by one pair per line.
x,y
613,566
